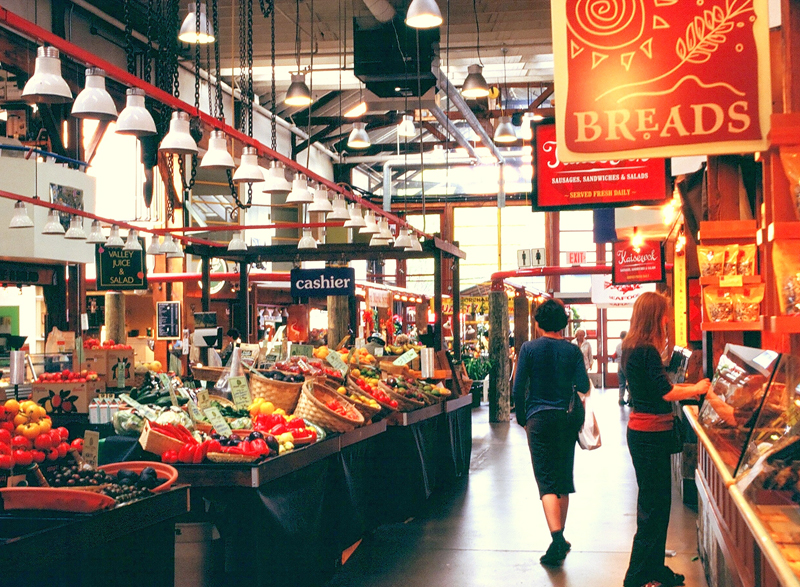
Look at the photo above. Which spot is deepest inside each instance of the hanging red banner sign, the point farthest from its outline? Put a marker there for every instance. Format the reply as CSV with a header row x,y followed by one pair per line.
x,y
661,78
561,186
643,264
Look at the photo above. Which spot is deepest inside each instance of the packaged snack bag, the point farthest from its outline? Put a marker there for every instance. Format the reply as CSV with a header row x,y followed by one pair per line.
x,y
747,303
730,265
711,260
719,304
747,260
786,263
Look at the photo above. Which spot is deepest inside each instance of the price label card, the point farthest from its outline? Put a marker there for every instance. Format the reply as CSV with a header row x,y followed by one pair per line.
x,y
148,413
84,322
17,481
378,351
202,399
406,357
120,367
91,447
79,352
219,423
303,350
240,392
730,281
167,383
194,411
336,362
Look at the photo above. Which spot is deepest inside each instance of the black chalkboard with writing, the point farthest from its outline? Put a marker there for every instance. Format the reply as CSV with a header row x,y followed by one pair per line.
x,y
168,315
118,269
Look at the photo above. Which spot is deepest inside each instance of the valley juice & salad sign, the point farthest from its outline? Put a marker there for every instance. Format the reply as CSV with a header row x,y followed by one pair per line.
x,y
118,269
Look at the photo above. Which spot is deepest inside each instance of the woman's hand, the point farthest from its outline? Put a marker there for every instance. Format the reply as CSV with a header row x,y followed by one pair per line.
x,y
702,386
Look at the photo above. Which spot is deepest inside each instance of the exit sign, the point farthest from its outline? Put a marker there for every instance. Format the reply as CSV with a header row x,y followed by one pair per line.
x,y
576,258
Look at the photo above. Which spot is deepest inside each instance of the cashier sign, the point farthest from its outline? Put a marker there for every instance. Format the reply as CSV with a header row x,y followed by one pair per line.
x,y
317,283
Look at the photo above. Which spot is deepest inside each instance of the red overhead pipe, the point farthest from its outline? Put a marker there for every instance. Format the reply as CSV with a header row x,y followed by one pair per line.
x,y
228,276
16,22
500,276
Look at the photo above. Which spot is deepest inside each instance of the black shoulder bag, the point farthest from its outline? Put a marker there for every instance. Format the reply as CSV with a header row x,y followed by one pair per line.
x,y
576,412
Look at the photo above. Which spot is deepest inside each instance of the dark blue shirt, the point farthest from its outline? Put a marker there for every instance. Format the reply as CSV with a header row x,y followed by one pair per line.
x,y
547,371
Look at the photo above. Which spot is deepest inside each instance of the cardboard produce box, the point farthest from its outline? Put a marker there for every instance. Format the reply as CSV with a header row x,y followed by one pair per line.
x,y
108,363
66,398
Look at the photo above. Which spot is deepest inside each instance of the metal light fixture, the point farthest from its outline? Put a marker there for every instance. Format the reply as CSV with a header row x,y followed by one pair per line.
x,y
275,181
178,140
248,170
154,248
237,242
423,14
505,132
168,245
403,241
406,127
299,193
76,231
189,27
307,242
415,244
475,85
385,231
370,224
114,240
378,240
356,219
53,225
298,93
217,156
359,139
321,202
94,101
46,86
96,236
135,119
132,244
340,211
20,219
177,252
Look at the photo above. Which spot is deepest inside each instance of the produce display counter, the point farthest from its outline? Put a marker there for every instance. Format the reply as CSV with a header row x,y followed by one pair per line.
x,y
130,545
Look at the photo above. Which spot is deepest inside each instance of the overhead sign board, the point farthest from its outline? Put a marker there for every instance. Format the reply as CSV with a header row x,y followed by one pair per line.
x,y
607,295
320,283
573,186
118,269
168,320
661,79
644,264
24,274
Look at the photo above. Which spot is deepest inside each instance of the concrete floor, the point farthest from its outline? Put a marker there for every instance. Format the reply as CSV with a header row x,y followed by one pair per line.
x,y
490,530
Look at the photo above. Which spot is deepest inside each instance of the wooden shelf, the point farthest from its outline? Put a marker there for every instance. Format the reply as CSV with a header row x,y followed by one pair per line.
x,y
782,324
730,326
783,231
728,231
746,280
784,129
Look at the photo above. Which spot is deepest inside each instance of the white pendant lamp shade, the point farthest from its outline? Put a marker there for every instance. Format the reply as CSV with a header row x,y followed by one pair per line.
x,y
217,156
46,86
133,244
275,181
94,101
154,248
385,231
20,219
53,225
475,85
370,226
423,14
359,138
189,27
76,231
378,240
299,193
96,236
402,241
168,245
135,120
321,202
406,127
114,240
505,132
178,140
307,242
356,219
415,244
248,170
298,93
237,242
177,253
340,211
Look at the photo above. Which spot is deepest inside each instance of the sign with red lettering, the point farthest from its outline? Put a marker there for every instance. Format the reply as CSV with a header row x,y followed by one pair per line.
x,y
644,264
660,78
561,186
576,258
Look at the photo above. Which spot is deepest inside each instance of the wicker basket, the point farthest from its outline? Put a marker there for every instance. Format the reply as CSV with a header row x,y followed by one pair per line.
x,y
311,406
367,411
353,388
224,457
207,373
282,394
404,404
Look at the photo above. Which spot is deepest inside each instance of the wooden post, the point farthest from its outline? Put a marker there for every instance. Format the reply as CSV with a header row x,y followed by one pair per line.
x,y
521,318
456,309
499,388
115,316
338,319
438,338
243,305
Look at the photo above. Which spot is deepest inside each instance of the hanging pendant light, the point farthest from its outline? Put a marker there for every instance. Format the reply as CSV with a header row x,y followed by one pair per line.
x,y
359,138
217,156
298,94
475,85
94,102
168,245
403,241
46,86
20,219
385,231
505,132
340,211
178,140
132,244
177,251
189,27
406,127
356,219
135,120
237,242
114,240
378,240
423,14
321,202
299,193
154,248
96,236
415,244
248,170
53,225
275,181
76,231
307,242
370,226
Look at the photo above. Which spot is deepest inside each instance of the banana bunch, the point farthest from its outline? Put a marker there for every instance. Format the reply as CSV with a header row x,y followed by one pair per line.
x,y
401,348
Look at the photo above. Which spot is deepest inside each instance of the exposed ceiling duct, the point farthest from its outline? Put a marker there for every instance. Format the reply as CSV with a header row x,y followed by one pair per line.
x,y
380,9
453,131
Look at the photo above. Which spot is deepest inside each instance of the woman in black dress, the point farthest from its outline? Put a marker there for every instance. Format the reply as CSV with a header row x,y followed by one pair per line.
x,y
650,437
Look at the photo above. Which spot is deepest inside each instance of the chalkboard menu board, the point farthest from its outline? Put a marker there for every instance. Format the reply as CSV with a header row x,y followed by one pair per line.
x,y
168,315
118,269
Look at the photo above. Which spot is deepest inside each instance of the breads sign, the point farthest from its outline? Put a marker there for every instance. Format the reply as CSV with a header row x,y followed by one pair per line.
x,y
660,78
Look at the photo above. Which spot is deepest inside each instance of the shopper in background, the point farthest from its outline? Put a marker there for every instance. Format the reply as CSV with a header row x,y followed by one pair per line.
x,y
548,370
650,437
623,383
586,349
231,338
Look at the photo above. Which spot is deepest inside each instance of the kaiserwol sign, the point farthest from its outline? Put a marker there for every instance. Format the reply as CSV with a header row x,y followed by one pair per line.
x,y
650,78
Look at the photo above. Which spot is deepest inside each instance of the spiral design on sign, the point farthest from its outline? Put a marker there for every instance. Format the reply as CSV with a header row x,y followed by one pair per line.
x,y
607,24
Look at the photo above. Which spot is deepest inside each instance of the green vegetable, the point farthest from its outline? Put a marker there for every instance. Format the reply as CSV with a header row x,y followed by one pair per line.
x,y
241,424
128,423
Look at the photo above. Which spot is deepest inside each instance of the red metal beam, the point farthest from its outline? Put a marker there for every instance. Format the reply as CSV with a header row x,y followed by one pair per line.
x,y
500,276
229,276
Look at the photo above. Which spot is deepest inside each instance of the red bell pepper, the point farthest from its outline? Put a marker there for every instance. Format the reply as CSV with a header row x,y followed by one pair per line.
x,y
278,430
200,452
295,424
213,446
304,436
186,454
260,446
169,456
267,421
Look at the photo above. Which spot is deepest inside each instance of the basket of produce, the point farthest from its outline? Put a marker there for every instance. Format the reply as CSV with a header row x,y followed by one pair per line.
x,y
411,389
364,403
406,402
325,408
203,373
156,477
363,387
237,419
154,439
282,389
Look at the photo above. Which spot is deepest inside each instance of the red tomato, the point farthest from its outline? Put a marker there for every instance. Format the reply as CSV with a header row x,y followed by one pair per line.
x,y
7,426
20,442
38,456
6,462
77,444
63,432
43,442
5,436
52,454
23,457
63,449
